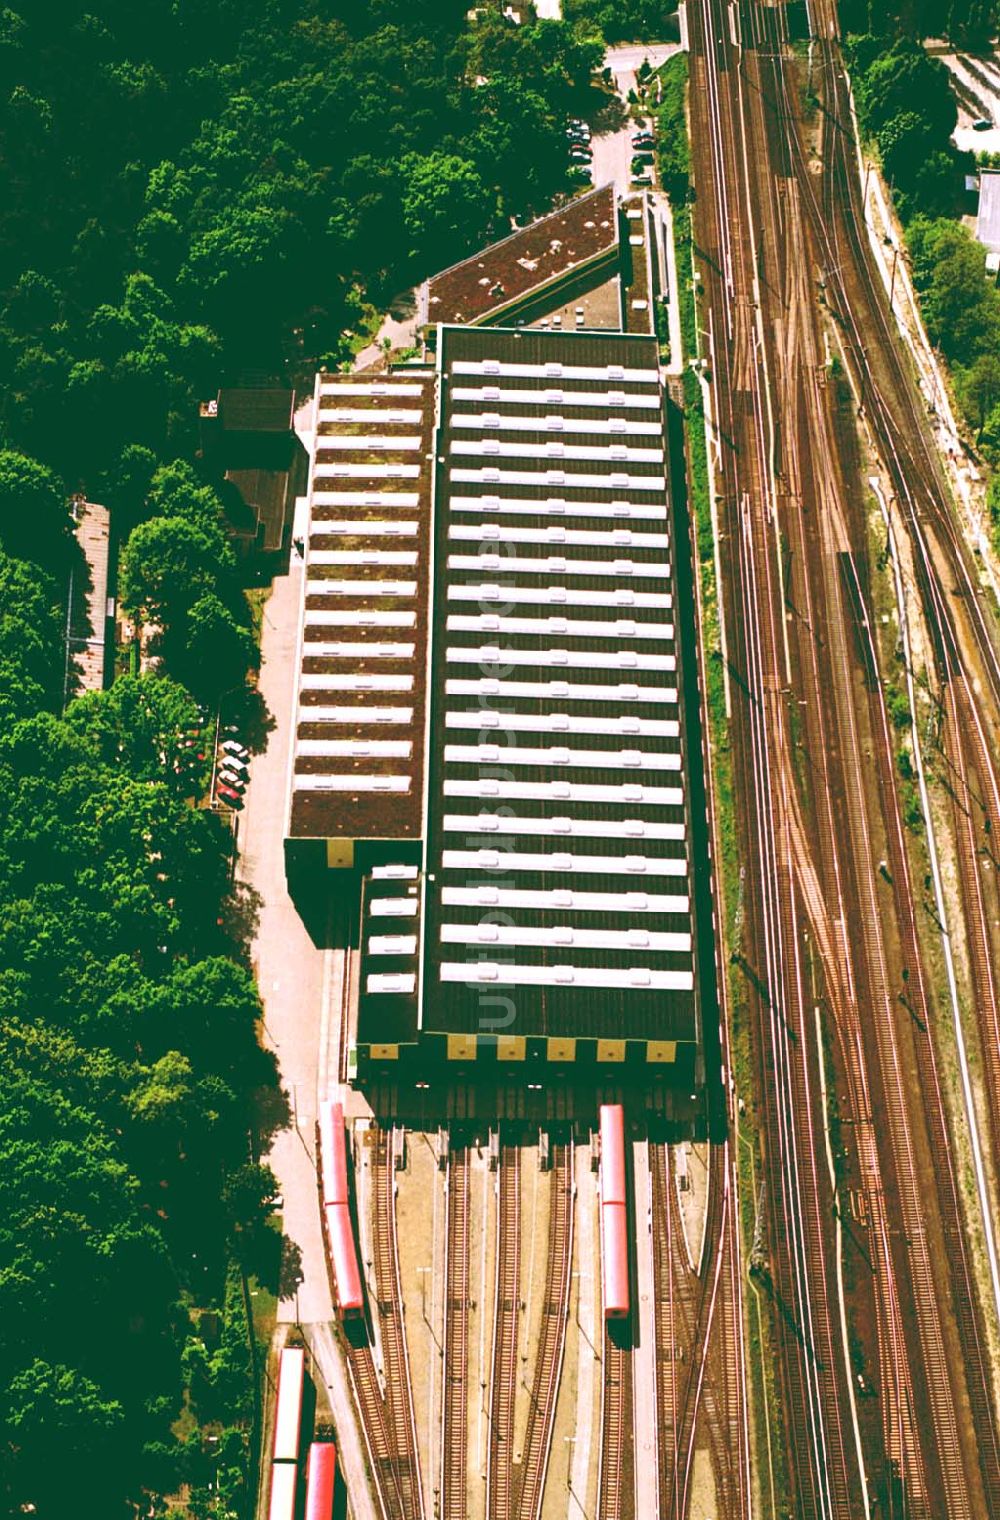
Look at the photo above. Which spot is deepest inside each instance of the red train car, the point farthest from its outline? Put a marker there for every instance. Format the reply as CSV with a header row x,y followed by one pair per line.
x,y
321,1479
333,1152
335,1199
614,1222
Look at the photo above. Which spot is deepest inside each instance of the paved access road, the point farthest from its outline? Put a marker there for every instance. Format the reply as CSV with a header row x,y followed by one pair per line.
x,y
300,985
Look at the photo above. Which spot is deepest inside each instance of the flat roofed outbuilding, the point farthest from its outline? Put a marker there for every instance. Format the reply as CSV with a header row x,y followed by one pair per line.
x,y
499,279
988,216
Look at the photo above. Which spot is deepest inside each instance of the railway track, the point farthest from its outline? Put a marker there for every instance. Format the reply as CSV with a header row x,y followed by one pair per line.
x,y
500,1475
697,1346
888,393
371,1410
454,1412
552,1340
797,1278
615,1491
399,1418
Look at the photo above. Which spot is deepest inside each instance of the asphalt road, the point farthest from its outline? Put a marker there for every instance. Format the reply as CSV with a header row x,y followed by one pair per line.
x,y
300,984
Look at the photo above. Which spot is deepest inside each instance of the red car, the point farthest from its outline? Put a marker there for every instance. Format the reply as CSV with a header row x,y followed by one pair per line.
x,y
228,795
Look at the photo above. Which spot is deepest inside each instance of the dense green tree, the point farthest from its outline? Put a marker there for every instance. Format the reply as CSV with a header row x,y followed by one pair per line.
x,y
167,564
140,724
978,390
626,20
218,646
35,522
961,310
446,206
31,635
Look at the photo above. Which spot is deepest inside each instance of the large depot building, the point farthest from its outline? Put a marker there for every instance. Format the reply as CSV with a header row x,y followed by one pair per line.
x,y
497,727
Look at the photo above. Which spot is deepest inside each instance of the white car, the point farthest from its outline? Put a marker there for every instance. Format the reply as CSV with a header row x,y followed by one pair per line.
x,y
234,747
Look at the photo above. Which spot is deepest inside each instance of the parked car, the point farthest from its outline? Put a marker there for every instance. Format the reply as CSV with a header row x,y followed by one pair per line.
x,y
237,783
234,747
643,140
230,797
642,158
982,124
234,763
579,174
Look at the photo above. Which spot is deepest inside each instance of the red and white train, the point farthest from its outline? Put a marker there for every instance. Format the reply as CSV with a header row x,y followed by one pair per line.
x,y
321,1480
614,1213
335,1200
321,1465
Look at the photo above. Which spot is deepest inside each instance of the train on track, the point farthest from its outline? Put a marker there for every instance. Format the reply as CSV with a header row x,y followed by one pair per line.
x,y
336,1210
321,1463
614,1220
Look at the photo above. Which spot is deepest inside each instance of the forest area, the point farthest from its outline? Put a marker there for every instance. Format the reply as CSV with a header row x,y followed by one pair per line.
x,y
190,193
908,110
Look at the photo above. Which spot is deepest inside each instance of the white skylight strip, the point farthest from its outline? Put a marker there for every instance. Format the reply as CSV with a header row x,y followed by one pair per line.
x,y
575,759
632,795
612,373
579,865
564,898
393,907
568,723
578,628
557,507
511,564
362,556
570,976
369,414
312,782
399,944
497,824
555,396
384,471
571,659
326,682
624,539
365,442
358,528
589,425
362,714
361,499
367,388
545,596
340,650
623,451
490,475
391,981
394,872
359,619
561,691
364,749
488,933
363,588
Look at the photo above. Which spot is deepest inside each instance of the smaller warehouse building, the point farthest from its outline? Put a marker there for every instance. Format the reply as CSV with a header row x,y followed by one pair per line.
x,y
988,217
356,768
